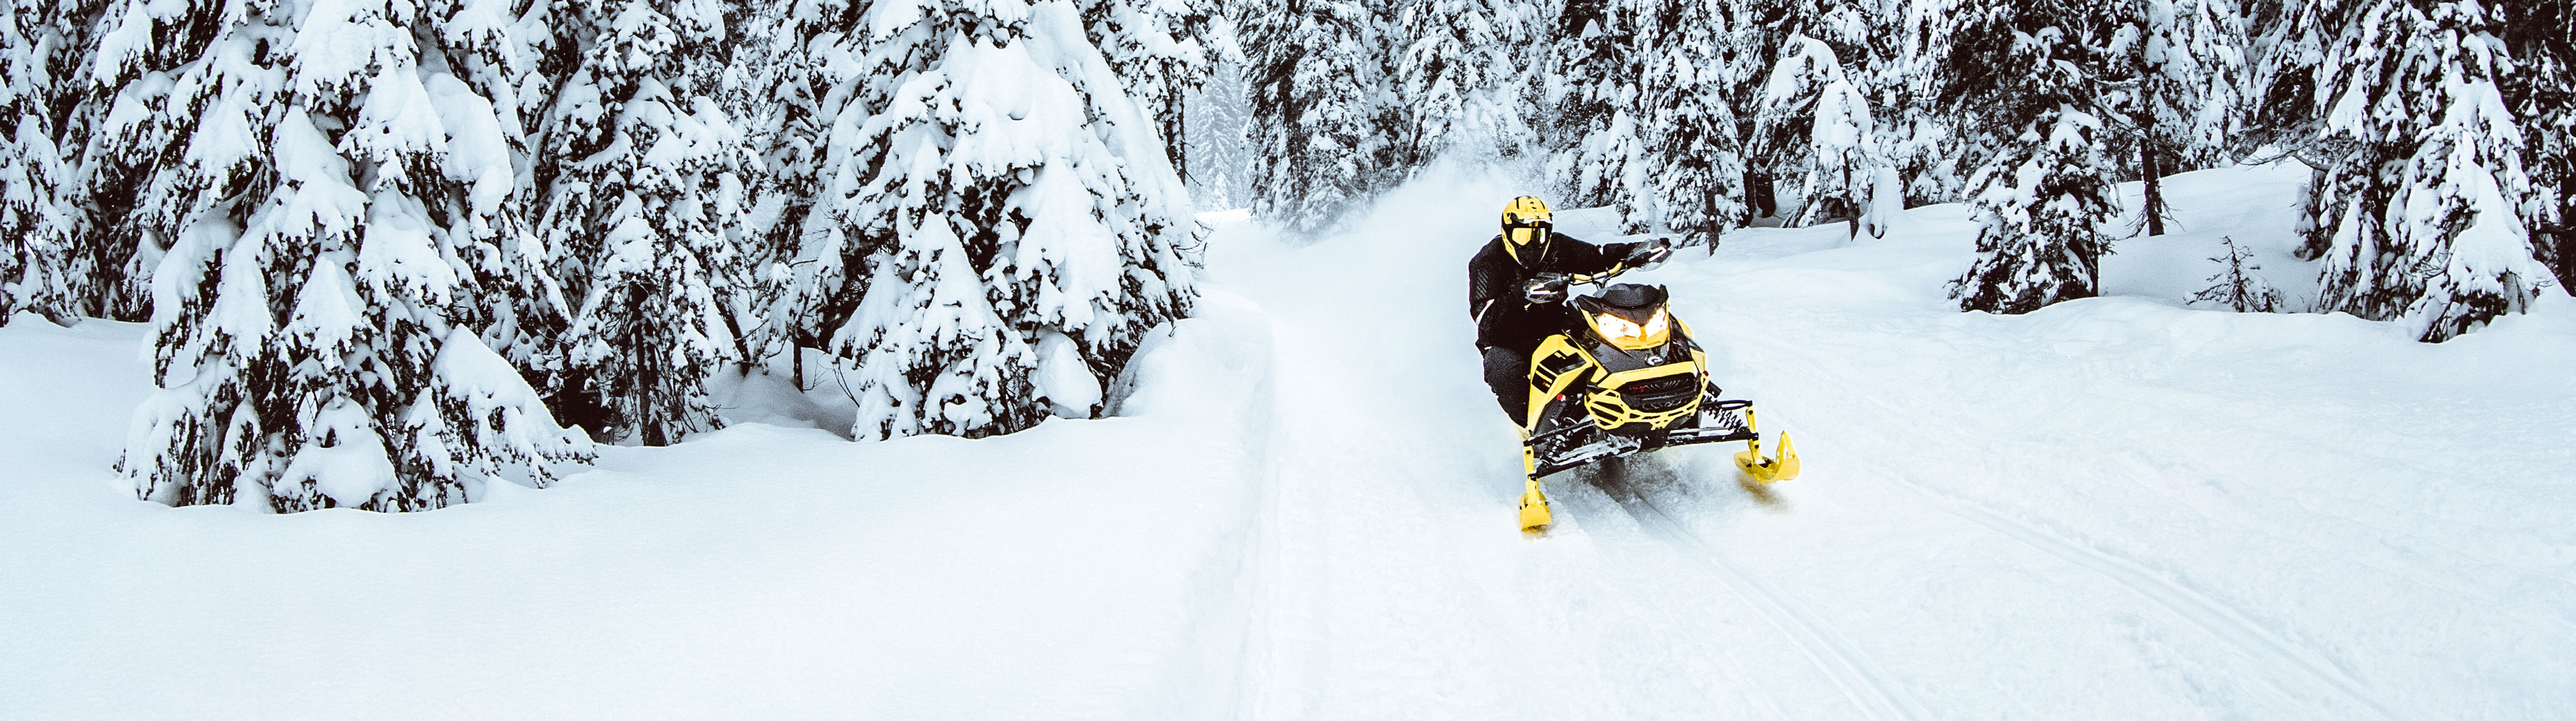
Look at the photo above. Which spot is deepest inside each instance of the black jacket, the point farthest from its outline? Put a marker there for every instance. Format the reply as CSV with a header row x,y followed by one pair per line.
x,y
1495,284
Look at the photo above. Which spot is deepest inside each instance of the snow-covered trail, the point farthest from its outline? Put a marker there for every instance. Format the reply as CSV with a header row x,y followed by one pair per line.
x,y
2278,515
1394,584
1386,585
2112,508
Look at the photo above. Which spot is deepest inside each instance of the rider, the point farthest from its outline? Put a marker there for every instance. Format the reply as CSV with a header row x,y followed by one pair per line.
x,y
1514,311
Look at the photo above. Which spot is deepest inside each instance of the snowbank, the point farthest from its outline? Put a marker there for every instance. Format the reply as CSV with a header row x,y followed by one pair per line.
x,y
755,572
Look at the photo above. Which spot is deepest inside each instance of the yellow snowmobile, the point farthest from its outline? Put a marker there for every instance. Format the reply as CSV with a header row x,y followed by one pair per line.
x,y
1631,381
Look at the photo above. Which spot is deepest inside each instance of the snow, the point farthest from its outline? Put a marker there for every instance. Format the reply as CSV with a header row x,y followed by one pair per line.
x,y
775,400
322,194
340,40
326,314
398,259
1026,193
397,118
478,150
1077,252
753,572
240,312
502,406
1063,378
343,457
2257,207
2121,506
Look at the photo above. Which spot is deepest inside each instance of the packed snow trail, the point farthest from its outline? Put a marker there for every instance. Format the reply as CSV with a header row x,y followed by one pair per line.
x,y
1392,589
2115,504
1858,678
2114,507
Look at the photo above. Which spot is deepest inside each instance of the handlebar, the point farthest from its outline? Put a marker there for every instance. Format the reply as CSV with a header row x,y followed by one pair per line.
x,y
1551,287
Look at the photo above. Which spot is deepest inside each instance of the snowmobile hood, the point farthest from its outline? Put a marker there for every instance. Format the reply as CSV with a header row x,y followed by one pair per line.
x,y
1628,316
1633,302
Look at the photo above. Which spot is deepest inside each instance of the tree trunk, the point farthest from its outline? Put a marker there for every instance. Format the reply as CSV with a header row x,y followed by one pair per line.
x,y
576,406
1708,213
2557,244
1176,141
1856,201
2316,226
2151,169
1758,198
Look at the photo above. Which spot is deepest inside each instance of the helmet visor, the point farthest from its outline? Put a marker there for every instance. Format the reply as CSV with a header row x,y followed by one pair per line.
x,y
1524,235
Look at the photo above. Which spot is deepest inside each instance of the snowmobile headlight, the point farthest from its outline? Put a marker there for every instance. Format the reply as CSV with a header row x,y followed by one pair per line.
x,y
1656,327
1618,330
1626,334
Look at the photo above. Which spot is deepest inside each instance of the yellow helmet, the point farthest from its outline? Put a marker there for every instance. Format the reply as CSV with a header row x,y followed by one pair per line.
x,y
1525,209
1526,222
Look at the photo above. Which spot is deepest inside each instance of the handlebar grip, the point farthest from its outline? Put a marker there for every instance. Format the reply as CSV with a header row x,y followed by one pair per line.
x,y
1545,289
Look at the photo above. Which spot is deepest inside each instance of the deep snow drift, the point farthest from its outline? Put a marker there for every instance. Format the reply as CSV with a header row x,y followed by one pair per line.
x,y
2117,507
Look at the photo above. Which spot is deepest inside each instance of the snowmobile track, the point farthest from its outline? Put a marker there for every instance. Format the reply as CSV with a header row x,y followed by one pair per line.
x,y
1860,680
2210,615
2215,617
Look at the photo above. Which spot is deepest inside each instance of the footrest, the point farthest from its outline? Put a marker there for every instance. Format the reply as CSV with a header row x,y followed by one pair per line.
x,y
1708,435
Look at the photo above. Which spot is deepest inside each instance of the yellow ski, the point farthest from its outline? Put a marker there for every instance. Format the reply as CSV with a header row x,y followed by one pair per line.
x,y
1534,514
1766,470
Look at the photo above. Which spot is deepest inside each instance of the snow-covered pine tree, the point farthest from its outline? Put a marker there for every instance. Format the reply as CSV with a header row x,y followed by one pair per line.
x,y
644,182
1836,67
1000,224
491,103
309,350
1592,97
1156,48
1697,57
2236,285
1815,123
1462,69
1932,152
2421,210
1934,159
2541,93
36,103
2180,103
785,89
2026,73
2282,115
1319,111
129,196
1219,126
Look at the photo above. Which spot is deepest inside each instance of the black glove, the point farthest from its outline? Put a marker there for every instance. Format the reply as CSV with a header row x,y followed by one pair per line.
x,y
1650,253
1544,290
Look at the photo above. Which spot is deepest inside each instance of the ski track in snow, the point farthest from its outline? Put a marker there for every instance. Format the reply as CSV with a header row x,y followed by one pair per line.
x,y
1379,552
1868,687
2215,617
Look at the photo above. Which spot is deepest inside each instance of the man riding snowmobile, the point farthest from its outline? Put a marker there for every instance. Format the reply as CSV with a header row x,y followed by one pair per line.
x,y
1611,376
1512,318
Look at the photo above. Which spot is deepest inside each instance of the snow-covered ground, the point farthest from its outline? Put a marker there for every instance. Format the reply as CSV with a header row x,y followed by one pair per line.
x,y
2113,508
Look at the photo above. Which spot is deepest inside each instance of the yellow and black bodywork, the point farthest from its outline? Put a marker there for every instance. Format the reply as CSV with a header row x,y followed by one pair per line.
x,y
1630,380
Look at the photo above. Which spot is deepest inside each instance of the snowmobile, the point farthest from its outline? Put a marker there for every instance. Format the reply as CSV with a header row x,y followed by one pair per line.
x,y
1629,381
